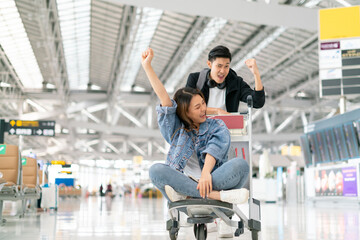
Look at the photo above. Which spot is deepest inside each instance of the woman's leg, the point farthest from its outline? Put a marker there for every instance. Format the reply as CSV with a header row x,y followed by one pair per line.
x,y
231,175
162,174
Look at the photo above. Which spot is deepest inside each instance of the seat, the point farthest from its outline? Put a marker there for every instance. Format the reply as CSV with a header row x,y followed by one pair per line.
x,y
11,168
30,178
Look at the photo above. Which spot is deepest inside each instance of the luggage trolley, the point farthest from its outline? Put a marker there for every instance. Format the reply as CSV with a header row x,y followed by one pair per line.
x,y
202,211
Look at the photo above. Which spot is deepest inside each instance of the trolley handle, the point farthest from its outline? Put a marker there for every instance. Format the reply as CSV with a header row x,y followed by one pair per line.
x,y
249,101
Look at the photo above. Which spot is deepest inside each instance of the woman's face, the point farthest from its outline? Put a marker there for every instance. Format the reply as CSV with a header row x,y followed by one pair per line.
x,y
197,110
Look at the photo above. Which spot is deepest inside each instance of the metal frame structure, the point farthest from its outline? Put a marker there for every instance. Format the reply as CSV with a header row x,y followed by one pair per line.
x,y
123,121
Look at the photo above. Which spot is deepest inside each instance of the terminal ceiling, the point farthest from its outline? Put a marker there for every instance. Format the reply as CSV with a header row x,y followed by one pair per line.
x,y
78,63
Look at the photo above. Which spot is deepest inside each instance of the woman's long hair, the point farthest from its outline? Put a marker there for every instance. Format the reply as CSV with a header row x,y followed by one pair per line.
x,y
183,98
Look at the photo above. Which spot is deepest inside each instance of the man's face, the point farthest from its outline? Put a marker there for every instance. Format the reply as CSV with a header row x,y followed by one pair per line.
x,y
219,69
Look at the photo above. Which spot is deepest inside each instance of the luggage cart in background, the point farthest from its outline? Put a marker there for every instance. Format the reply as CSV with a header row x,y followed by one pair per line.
x,y
203,211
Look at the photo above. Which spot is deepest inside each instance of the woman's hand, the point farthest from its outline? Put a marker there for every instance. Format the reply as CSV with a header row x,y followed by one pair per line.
x,y
146,57
155,82
205,184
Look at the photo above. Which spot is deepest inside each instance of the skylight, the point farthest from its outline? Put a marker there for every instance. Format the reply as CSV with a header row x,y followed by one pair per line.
x,y
206,37
75,30
144,33
16,45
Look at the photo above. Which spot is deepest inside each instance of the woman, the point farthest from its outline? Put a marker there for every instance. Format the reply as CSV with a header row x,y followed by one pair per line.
x,y
198,148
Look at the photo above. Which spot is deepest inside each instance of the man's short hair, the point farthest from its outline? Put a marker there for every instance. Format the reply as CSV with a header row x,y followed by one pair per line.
x,y
219,51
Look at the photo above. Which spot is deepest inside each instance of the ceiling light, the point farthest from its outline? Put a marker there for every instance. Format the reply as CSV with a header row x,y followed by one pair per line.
x,y
4,84
344,3
36,105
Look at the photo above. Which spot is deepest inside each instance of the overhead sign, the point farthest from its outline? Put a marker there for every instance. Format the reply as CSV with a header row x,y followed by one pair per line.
x,y
31,128
339,51
339,23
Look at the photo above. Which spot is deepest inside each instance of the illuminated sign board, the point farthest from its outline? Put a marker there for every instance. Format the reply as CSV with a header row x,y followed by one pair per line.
x,y
31,128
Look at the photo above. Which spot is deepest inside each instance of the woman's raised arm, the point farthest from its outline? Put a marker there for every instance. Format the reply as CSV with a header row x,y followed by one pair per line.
x,y
155,82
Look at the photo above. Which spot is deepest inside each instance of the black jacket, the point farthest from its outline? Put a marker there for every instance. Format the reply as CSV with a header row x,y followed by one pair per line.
x,y
236,90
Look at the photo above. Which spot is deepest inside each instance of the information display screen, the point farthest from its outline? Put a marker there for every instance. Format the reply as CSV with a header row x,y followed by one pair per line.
x,y
340,142
314,147
351,140
305,148
357,124
323,149
331,144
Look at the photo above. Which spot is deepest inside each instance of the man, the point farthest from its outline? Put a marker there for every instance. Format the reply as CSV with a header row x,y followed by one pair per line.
x,y
222,88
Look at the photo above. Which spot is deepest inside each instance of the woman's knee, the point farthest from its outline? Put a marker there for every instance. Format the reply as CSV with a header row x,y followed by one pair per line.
x,y
240,164
157,170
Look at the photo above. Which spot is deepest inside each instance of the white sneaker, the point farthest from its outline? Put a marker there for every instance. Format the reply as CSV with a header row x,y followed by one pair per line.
x,y
173,195
212,227
224,230
235,196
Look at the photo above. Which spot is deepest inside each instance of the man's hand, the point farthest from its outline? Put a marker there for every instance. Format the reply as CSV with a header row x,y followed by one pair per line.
x,y
251,64
205,184
215,111
222,112
146,57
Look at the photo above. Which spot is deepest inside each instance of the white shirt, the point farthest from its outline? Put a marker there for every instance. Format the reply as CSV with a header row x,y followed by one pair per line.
x,y
217,98
192,167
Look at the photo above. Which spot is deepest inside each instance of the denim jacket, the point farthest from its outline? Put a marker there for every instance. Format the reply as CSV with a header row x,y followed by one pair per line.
x,y
213,138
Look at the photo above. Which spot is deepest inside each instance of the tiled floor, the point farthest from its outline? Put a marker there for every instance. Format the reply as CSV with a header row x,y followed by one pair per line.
x,y
133,219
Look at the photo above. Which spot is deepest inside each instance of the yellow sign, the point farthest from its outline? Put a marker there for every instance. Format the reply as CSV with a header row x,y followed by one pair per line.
x,y
295,151
137,159
57,162
339,23
29,123
285,150
19,123
291,151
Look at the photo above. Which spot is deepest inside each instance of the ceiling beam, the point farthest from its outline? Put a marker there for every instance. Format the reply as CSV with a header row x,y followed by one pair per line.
x,y
244,11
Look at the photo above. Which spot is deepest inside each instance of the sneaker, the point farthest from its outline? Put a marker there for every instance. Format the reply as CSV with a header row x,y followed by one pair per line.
x,y
212,227
225,231
235,196
173,195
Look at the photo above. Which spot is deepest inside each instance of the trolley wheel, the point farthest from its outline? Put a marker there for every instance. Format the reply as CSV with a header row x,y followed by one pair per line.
x,y
173,233
200,231
254,234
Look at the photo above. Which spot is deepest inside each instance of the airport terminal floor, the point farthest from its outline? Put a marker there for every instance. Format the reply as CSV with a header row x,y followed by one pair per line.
x,y
131,218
